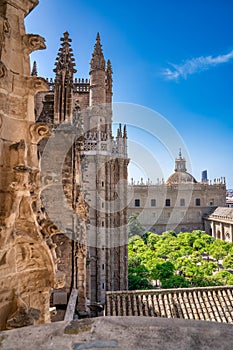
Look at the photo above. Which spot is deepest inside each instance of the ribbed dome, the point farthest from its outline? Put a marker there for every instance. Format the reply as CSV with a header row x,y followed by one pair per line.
x,y
180,177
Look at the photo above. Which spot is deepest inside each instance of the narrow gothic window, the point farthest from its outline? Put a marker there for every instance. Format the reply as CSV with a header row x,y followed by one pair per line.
x,y
102,183
168,202
137,203
102,223
198,202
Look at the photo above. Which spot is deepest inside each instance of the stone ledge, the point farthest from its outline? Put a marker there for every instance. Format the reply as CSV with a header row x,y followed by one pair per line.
x,y
123,333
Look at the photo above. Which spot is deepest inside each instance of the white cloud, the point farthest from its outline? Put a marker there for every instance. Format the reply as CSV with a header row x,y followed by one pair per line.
x,y
195,65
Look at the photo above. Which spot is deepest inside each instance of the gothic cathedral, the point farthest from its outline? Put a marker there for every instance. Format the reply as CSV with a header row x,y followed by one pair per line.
x,y
101,189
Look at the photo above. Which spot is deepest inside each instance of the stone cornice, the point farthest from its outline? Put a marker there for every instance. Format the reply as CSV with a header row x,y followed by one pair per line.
x,y
25,5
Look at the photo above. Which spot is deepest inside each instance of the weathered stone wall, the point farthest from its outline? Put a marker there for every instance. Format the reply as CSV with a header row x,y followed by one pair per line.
x,y
27,256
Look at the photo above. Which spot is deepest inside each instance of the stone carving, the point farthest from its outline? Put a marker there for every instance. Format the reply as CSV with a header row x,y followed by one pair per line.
x,y
48,228
59,280
3,70
33,42
28,262
40,130
6,26
19,156
36,84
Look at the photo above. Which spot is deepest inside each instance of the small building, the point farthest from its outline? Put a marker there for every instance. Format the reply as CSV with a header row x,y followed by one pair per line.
x,y
219,224
179,204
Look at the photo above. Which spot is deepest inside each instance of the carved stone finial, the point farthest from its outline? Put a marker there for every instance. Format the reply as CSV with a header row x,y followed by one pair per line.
x,y
34,69
109,76
180,154
65,60
97,61
125,132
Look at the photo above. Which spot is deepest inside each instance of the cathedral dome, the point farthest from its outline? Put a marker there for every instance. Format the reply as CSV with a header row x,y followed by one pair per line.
x,y
180,177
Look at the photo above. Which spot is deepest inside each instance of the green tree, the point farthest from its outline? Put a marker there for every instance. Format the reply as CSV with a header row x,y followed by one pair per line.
x,y
228,261
152,239
208,267
223,278
138,278
134,226
178,260
162,271
201,243
175,281
186,266
219,249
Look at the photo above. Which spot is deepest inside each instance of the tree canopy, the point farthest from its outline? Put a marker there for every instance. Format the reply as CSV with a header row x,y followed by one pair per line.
x,y
186,259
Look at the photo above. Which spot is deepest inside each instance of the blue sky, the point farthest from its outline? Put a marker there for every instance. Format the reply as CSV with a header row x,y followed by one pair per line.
x,y
174,57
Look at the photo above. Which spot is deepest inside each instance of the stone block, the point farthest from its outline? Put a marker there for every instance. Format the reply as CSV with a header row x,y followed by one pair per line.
x,y
60,298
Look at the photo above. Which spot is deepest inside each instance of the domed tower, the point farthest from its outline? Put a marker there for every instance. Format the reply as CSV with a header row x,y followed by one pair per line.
x,y
180,164
180,175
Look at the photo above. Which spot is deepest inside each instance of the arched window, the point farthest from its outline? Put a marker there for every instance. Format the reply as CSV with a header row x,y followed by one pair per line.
x,y
228,237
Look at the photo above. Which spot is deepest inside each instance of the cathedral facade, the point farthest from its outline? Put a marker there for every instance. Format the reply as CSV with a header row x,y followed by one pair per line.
x,y
101,159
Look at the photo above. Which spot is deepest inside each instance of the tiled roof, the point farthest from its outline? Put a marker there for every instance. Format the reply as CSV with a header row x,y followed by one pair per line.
x,y
205,303
222,212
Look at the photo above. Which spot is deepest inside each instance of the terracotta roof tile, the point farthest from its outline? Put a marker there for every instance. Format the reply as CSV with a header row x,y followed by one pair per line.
x,y
209,303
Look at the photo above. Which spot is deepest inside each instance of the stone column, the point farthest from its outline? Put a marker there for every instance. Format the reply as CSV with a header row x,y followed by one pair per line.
x,y
231,232
222,231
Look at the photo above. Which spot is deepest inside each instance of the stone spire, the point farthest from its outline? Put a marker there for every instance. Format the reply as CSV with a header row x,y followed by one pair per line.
x,y
119,132
97,61
65,60
97,75
109,82
125,132
63,89
34,70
